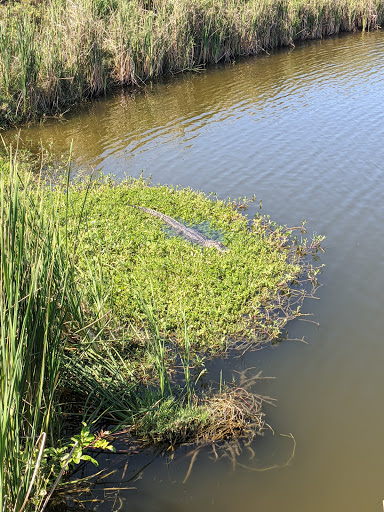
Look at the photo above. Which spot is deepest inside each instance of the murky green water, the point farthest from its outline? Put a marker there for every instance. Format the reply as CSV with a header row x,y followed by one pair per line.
x,y
304,130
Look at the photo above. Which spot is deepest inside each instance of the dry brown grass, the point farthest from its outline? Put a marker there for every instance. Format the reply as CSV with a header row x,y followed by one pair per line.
x,y
56,53
234,413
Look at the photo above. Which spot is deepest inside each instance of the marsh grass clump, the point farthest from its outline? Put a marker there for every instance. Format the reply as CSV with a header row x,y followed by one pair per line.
x,y
55,53
234,413
229,415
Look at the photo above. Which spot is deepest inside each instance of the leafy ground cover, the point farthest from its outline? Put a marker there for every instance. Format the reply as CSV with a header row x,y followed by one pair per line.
x,y
217,296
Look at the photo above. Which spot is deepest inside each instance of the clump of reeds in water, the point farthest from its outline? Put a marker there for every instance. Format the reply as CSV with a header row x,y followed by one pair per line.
x,y
54,53
180,415
232,414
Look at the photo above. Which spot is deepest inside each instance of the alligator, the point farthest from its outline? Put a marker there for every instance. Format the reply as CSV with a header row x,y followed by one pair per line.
x,y
189,233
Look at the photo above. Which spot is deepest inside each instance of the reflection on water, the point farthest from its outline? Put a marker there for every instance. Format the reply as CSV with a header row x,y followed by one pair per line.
x,y
303,129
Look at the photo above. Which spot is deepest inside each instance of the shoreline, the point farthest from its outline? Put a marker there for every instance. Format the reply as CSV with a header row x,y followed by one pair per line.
x,y
54,55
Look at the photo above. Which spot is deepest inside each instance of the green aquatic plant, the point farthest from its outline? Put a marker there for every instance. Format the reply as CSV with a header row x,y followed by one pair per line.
x,y
40,316
224,296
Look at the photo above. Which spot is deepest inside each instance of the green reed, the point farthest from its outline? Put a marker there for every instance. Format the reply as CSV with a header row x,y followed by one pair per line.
x,y
38,306
156,341
55,53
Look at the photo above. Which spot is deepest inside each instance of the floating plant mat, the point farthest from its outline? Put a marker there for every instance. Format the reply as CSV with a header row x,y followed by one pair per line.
x,y
215,295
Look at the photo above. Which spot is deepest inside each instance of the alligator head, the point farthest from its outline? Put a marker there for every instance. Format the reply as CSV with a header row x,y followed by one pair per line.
x,y
218,245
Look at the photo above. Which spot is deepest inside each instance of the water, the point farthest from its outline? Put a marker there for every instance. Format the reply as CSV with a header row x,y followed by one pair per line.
x,y
303,130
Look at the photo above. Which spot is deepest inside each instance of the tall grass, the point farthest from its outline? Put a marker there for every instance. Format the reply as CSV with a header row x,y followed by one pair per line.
x,y
157,343
54,53
38,306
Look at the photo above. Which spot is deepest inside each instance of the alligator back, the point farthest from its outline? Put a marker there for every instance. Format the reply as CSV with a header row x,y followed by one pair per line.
x,y
189,233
